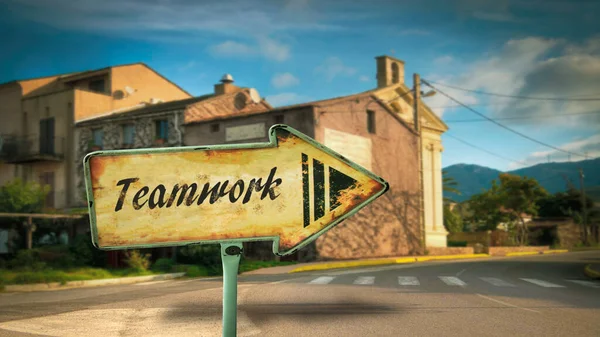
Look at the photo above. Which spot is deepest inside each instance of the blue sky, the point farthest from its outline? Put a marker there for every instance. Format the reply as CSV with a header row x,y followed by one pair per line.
x,y
296,51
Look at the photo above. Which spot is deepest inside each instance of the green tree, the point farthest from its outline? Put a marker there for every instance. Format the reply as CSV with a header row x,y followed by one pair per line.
x,y
19,197
519,196
449,185
486,209
563,204
569,204
452,220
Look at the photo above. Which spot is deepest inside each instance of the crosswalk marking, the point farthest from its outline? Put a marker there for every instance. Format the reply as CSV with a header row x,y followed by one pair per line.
x,y
322,280
364,280
542,283
408,281
497,282
591,284
452,281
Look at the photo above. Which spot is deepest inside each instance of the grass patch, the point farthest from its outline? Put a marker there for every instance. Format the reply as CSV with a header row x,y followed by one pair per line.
x,y
64,276
49,275
249,265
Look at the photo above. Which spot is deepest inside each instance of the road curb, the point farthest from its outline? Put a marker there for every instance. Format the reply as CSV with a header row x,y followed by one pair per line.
x,y
542,252
591,272
384,261
89,283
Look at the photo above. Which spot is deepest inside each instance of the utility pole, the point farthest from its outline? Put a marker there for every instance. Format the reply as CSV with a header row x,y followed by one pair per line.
x,y
584,207
416,99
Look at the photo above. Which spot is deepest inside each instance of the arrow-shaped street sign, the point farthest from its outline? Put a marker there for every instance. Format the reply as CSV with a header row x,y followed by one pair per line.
x,y
289,190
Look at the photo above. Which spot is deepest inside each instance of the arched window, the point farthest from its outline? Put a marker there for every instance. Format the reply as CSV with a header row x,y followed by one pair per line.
x,y
395,73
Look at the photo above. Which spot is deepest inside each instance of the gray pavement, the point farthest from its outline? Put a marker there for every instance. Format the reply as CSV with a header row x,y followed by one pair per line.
x,y
525,296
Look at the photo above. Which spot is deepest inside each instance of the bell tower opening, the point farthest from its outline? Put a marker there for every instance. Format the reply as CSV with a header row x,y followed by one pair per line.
x,y
389,71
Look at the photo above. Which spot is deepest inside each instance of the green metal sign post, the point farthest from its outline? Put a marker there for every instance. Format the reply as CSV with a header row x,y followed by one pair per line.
x,y
230,256
289,190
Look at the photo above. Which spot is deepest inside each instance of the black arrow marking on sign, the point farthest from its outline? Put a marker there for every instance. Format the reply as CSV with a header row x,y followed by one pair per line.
x,y
338,181
305,190
319,189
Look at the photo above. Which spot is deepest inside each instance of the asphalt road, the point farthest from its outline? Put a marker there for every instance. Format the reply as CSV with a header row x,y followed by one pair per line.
x,y
529,296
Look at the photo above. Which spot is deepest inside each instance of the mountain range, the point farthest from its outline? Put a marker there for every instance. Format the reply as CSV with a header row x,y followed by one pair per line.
x,y
473,179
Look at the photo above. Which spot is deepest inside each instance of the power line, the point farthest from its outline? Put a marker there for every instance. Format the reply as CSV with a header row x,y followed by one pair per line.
x,y
559,172
459,106
520,117
484,150
501,125
517,96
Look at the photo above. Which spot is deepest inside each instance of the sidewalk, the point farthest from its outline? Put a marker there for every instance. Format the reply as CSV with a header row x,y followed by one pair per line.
x,y
326,265
89,283
592,270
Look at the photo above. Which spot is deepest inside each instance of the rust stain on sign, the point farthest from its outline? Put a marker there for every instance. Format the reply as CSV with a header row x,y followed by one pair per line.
x,y
291,191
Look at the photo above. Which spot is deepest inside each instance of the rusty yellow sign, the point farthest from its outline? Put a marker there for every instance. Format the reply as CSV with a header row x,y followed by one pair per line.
x,y
289,190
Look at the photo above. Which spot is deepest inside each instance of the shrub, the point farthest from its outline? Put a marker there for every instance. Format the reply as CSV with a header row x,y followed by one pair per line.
x,y
85,252
58,256
457,243
196,271
181,268
41,277
137,261
82,249
208,256
164,265
28,259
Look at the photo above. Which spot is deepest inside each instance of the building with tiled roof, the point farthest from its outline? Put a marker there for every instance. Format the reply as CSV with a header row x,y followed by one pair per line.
x,y
38,116
375,129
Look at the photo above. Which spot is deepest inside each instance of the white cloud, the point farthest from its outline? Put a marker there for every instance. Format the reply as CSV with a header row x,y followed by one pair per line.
x,y
268,48
443,60
247,27
589,146
283,80
286,98
364,78
233,18
232,48
273,50
333,67
533,67
589,47
487,10
187,66
498,17
417,32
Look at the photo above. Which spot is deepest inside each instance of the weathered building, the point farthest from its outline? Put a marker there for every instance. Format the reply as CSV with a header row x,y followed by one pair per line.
x,y
374,129
160,124
37,118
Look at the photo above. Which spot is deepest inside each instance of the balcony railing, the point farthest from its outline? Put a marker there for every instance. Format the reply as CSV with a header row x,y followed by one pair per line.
x,y
23,149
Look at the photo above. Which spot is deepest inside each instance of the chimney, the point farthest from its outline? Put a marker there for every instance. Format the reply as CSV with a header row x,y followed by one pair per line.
x,y
226,86
390,71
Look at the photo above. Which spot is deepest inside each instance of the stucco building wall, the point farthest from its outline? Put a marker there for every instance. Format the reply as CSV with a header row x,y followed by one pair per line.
x,y
389,226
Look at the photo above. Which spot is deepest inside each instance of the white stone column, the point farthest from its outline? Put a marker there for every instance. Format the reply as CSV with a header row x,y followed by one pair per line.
x,y
439,205
427,189
436,235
